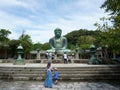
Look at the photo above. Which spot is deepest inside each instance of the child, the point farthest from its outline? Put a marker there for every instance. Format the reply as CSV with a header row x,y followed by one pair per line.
x,y
55,76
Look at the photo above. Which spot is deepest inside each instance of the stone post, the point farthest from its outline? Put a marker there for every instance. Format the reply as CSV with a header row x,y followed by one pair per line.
x,y
38,54
77,52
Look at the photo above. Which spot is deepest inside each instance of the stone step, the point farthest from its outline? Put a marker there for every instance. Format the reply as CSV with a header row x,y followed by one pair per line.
x,y
61,69
65,69
65,76
72,74
21,78
60,72
65,73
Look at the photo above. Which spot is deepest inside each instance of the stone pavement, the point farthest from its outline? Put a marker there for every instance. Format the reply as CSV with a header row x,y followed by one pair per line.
x,y
36,85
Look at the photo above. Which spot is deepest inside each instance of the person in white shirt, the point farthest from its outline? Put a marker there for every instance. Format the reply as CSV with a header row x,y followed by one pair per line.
x,y
65,57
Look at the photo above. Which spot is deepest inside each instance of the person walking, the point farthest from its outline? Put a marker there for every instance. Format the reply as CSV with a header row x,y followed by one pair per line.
x,y
46,55
48,78
65,57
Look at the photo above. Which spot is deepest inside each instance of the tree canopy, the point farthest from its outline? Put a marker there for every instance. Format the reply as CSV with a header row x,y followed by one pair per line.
x,y
4,34
109,35
83,38
113,7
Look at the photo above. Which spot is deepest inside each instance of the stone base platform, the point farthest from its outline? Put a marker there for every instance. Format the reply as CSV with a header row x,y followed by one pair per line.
x,y
80,61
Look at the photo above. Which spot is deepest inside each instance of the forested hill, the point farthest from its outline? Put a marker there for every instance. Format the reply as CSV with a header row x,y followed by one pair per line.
x,y
82,37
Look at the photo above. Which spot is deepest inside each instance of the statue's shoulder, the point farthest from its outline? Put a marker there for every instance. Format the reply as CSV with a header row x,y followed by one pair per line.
x,y
51,39
64,37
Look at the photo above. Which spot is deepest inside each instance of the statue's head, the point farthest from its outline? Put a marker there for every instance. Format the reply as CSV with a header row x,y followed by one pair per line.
x,y
57,32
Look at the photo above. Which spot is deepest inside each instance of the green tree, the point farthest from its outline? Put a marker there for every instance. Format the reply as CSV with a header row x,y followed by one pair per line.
x,y
108,36
79,37
45,46
112,33
4,41
37,46
13,44
103,32
41,46
4,35
113,6
27,44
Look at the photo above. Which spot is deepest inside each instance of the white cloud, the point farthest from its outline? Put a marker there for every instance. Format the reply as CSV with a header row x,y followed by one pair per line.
x,y
40,35
43,16
12,22
11,3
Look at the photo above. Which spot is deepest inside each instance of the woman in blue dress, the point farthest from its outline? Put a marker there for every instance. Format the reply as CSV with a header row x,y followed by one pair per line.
x,y
48,79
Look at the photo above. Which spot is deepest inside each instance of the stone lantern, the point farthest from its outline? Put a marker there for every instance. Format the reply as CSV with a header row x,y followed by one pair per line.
x,y
19,60
93,59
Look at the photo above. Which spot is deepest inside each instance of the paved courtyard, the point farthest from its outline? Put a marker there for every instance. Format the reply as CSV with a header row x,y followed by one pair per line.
x,y
37,85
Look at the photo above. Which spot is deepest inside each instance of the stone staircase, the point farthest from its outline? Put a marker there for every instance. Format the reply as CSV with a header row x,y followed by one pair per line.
x,y
80,73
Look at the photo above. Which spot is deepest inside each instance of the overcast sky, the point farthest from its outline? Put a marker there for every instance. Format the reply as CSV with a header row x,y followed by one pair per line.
x,y
39,18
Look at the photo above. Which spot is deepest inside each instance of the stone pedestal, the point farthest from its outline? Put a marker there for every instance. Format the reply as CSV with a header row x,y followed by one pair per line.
x,y
38,56
77,55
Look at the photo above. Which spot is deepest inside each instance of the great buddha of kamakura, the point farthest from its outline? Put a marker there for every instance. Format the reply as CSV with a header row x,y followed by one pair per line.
x,y
58,43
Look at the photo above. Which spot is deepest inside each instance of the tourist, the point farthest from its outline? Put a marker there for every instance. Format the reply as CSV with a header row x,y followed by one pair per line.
x,y
46,55
50,56
65,57
69,60
55,76
48,78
